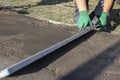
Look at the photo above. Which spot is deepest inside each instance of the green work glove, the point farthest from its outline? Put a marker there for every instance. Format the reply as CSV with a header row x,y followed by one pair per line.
x,y
103,19
83,20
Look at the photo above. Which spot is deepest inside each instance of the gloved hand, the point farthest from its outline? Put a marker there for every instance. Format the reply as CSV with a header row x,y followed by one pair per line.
x,y
103,19
83,20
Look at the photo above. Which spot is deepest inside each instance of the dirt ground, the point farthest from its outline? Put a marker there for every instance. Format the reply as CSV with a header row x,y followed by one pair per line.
x,y
94,56
56,10
22,37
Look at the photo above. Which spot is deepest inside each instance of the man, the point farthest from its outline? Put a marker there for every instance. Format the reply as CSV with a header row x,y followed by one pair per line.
x,y
82,17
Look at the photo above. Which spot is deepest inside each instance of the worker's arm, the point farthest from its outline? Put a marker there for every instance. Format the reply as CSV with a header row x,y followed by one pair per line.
x,y
106,9
84,18
81,4
107,5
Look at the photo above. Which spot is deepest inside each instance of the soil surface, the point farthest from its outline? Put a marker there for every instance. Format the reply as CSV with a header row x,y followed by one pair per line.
x,y
22,37
94,56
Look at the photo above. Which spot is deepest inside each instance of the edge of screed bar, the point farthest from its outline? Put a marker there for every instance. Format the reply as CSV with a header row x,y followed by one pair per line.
x,y
10,70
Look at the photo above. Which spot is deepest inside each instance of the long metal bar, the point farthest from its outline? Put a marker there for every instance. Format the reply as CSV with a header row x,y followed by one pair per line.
x,y
10,70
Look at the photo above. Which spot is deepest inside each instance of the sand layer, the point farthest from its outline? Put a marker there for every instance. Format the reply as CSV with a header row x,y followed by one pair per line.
x,y
95,56
22,37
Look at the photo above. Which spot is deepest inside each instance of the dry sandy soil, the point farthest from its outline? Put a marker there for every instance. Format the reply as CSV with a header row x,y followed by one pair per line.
x,y
94,56
22,37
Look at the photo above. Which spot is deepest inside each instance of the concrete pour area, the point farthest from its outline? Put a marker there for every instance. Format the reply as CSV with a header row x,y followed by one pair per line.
x,y
94,56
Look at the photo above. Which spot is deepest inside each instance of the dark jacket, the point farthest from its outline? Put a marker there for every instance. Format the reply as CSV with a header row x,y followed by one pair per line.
x,y
118,1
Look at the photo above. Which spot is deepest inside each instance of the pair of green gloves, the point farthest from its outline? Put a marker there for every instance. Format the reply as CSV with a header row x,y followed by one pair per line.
x,y
84,20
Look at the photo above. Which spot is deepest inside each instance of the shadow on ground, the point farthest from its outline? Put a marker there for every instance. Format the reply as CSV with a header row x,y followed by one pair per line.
x,y
91,69
24,8
42,63
113,21
87,71
49,2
